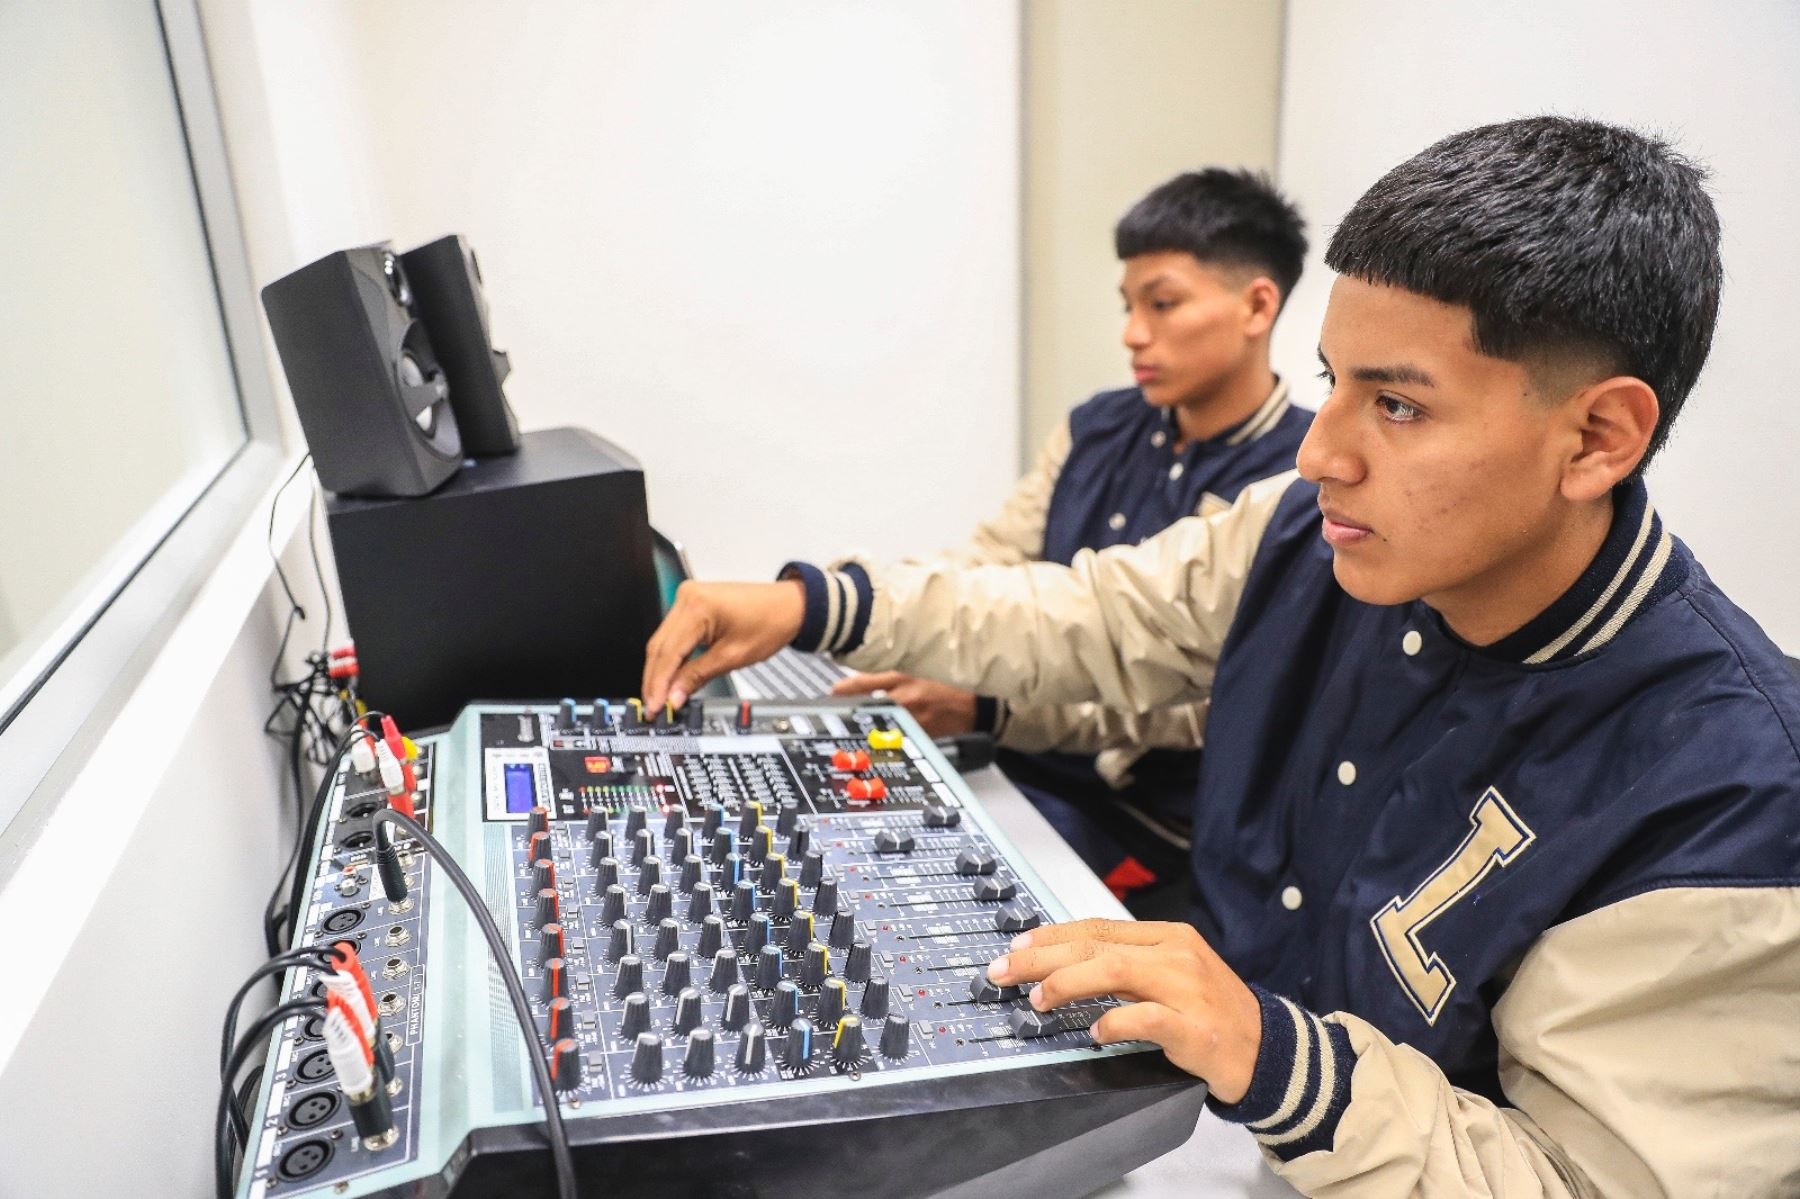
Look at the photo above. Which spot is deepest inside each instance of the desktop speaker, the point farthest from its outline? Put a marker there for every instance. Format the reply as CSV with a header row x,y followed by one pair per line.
x,y
372,398
446,284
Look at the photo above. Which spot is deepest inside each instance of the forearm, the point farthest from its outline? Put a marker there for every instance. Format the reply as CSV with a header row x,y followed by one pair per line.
x,y
1089,728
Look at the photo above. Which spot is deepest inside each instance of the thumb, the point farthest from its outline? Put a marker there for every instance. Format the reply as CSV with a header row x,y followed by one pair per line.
x,y
862,684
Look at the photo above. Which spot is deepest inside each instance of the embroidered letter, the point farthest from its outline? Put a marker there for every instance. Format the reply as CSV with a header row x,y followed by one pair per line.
x,y
1499,836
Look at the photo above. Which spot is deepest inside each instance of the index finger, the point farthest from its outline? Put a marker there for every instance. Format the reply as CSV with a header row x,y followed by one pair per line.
x,y
1094,928
862,684
669,647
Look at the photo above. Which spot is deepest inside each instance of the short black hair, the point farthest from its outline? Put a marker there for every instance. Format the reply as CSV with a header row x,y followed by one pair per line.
x,y
1565,238
1231,218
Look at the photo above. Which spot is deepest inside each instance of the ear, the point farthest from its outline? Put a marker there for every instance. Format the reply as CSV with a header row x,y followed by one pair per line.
x,y
1262,303
1614,419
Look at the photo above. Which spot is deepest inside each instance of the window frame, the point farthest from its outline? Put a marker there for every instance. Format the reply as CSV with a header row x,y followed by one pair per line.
x,y
119,627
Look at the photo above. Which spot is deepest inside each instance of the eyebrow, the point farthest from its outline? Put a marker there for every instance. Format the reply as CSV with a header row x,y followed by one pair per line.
x,y
1399,374
1146,285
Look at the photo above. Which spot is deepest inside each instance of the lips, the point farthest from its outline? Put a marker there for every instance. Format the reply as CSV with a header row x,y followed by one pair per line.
x,y
1143,374
1340,531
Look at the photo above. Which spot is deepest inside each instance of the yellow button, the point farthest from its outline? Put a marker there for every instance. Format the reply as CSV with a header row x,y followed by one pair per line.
x,y
886,739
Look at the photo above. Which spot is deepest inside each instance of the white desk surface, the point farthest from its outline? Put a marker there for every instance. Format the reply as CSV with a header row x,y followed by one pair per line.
x,y
1220,1161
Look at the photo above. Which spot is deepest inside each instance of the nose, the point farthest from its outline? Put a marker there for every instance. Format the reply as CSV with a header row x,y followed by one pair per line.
x,y
1137,331
1329,451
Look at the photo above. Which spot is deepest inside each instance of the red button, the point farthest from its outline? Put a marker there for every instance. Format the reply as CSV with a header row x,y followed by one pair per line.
x,y
867,789
853,760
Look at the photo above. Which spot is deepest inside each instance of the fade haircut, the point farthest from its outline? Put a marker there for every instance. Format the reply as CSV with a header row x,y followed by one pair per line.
x,y
1571,242
1222,218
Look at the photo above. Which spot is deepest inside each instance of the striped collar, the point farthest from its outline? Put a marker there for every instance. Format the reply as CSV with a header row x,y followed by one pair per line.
x,y
1637,564
1258,423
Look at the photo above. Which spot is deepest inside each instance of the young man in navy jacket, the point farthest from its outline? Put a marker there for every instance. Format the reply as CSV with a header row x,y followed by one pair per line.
x,y
1498,861
1209,259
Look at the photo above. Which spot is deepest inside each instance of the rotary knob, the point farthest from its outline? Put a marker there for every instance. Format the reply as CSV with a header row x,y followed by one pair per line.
x,y
675,820
649,874
668,938
800,932
556,979
635,1019
606,868
786,1004
647,1059
678,973
596,826
690,872
721,844
786,817
724,970
539,820
682,843
621,940
550,942
752,1050
749,816
565,1064
635,822
847,1042
799,1050
661,903
713,820
874,1004
712,937
758,933
858,961
543,873
773,871
825,899
549,906
815,966
743,903
699,1061
896,1037
561,1022
762,841
843,929
700,900
787,899
800,840
631,978
812,868
768,967
612,904
737,1007
833,995
687,1010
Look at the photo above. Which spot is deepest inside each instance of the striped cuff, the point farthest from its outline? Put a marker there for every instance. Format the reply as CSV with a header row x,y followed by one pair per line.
x,y
1301,1084
838,604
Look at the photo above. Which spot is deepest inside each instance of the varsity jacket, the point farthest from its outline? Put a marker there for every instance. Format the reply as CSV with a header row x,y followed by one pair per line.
x,y
1108,476
1523,919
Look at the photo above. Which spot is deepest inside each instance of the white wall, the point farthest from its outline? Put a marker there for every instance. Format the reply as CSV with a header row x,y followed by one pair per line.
x,y
1370,82
1119,98
771,251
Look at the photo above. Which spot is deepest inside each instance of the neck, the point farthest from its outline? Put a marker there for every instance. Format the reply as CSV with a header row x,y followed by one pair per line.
x,y
1228,403
1507,597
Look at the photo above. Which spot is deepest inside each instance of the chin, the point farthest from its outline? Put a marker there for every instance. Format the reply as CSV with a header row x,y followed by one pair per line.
x,y
1371,586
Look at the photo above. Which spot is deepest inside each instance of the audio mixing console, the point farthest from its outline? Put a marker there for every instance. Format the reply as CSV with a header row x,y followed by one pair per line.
x,y
754,941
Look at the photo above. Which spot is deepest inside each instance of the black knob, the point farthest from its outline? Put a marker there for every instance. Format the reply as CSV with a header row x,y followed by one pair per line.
x,y
600,857
983,989
875,999
768,967
737,1007
597,826
762,841
612,904
555,980
700,899
721,844
661,903
743,903
550,942
825,899
539,820
682,843
676,818
847,1042
787,899
896,1037
833,996
568,714
812,868
715,818
890,840
635,822
668,938
678,973
699,1062
773,870
608,868
814,966
974,861
843,929
561,1023
690,872
800,840
649,874
786,1004
799,1052
731,871
724,970
1016,917
621,941
786,816
712,936
647,1058
631,977
549,906
749,816
687,1010
800,933
565,1064
543,873
991,888
643,844
752,1051
858,961
939,816
757,934
636,1016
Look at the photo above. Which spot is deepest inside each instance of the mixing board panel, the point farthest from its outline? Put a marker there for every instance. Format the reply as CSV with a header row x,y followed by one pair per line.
x,y
754,940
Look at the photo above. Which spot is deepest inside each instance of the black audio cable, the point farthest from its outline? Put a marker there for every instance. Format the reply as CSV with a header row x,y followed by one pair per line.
x,y
311,955
306,834
256,1036
554,1129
